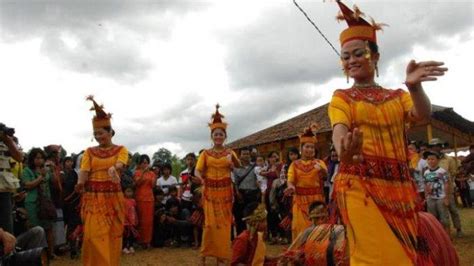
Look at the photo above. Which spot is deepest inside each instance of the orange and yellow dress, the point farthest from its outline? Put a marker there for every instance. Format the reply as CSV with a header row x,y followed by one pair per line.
x,y
247,250
145,204
376,198
308,182
102,207
215,168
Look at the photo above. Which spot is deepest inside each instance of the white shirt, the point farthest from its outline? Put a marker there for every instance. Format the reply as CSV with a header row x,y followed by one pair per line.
x,y
165,184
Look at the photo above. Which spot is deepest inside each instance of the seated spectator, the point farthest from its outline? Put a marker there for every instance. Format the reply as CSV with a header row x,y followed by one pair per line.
x,y
180,227
33,241
160,228
248,248
197,217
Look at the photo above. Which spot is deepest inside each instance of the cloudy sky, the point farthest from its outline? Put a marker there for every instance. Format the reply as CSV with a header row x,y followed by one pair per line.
x,y
161,66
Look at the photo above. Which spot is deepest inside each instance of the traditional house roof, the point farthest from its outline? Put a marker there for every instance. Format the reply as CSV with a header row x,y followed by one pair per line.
x,y
287,129
292,127
448,116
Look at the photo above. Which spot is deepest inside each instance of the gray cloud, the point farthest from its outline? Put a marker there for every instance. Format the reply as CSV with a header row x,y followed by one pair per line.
x,y
186,122
283,48
92,24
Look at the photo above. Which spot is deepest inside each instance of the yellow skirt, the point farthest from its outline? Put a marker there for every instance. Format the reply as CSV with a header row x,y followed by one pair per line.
x,y
217,206
103,217
300,219
370,239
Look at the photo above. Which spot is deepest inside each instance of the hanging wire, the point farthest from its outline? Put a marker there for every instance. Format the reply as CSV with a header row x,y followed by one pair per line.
x,y
316,27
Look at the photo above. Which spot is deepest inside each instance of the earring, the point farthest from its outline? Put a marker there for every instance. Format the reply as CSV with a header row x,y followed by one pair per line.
x,y
346,74
377,71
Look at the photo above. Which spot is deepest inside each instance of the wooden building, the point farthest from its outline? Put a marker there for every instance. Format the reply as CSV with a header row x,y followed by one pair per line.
x,y
444,124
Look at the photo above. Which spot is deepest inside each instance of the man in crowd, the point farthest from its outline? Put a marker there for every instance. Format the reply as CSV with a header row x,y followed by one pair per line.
x,y
8,150
245,181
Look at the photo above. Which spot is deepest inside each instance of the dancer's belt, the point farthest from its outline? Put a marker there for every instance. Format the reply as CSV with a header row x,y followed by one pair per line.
x,y
220,183
102,186
307,191
378,167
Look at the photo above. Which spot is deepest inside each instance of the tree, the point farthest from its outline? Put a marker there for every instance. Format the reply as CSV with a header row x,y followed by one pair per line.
x,y
163,155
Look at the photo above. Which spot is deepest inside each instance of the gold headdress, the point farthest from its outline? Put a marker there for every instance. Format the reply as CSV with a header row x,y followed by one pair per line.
x,y
217,121
258,215
101,118
308,135
358,28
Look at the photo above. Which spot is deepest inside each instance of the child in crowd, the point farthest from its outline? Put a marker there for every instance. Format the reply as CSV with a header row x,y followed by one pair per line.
x,y
260,167
130,233
159,220
197,217
436,185
172,195
166,180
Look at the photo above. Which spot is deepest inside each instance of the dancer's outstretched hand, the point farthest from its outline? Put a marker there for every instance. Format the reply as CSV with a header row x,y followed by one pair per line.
x,y
423,71
351,147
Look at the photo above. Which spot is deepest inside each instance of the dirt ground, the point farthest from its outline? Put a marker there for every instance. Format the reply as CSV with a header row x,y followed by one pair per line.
x,y
187,256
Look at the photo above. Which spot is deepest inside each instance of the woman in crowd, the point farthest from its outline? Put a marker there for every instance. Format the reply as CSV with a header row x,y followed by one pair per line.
x,y
71,203
272,173
214,168
37,179
144,182
102,207
374,190
305,181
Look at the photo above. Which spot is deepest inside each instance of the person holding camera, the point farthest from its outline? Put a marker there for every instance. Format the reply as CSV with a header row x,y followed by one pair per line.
x,y
8,182
37,180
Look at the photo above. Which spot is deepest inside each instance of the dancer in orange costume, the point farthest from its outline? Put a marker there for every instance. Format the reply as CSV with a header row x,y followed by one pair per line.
x,y
374,191
102,206
214,168
305,181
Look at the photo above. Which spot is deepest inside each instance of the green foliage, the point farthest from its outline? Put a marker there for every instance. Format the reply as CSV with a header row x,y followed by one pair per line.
x,y
165,156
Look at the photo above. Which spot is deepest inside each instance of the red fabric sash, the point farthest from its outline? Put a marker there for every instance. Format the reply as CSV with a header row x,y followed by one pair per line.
x,y
105,186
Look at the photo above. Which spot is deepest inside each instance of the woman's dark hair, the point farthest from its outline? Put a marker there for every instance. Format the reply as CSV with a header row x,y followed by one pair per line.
x,y
68,158
158,192
270,154
172,189
250,208
143,158
167,166
190,155
32,155
374,48
292,150
314,205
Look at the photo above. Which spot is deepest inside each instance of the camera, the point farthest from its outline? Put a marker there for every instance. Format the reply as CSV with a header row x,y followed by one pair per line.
x,y
7,130
33,257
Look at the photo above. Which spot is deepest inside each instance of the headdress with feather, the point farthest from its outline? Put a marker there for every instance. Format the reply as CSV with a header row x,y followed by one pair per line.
x,y
358,28
101,118
217,121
